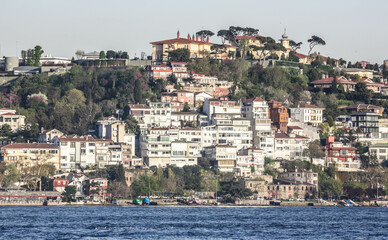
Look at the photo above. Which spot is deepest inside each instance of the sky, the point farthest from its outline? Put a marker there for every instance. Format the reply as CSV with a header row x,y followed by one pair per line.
x,y
355,30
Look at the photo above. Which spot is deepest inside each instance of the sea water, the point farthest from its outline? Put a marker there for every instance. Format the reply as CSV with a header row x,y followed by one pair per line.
x,y
155,222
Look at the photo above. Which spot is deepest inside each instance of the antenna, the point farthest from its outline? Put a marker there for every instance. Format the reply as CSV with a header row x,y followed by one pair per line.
x,y
16,49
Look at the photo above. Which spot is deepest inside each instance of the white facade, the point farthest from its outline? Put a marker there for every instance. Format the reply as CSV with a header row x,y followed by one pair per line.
x,y
290,146
223,157
308,114
77,152
185,153
235,132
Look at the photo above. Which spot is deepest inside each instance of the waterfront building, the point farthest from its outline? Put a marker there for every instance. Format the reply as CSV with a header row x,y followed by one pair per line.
x,y
222,157
78,152
27,155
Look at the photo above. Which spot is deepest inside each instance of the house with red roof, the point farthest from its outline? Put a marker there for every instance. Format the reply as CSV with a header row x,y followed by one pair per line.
x,y
198,46
344,158
326,83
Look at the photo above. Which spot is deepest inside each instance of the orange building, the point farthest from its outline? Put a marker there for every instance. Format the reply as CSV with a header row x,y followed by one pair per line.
x,y
278,114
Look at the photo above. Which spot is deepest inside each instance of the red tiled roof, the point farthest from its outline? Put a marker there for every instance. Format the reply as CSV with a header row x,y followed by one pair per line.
x,y
138,106
300,55
12,114
340,79
28,145
7,109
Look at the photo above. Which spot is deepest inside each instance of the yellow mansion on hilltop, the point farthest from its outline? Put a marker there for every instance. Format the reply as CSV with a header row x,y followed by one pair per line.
x,y
198,47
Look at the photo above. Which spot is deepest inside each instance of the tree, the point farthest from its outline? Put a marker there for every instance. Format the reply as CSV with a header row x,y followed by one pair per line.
x,y
36,54
125,55
110,54
369,161
362,93
314,41
328,187
179,55
8,175
69,194
268,48
102,55
218,49
138,91
295,46
79,54
205,33
292,57
186,107
314,150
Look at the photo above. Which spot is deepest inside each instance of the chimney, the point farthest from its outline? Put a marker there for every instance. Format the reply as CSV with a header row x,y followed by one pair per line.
x,y
201,38
196,37
193,38
188,36
208,39
178,35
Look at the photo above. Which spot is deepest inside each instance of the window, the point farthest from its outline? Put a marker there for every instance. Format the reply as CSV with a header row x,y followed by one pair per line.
x,y
72,144
83,144
83,151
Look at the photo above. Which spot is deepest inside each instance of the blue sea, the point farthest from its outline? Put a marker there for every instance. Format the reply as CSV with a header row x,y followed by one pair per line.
x,y
155,222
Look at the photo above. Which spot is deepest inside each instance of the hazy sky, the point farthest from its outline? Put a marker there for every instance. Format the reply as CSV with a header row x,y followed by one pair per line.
x,y
353,29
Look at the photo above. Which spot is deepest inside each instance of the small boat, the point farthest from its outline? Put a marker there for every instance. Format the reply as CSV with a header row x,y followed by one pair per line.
x,y
136,201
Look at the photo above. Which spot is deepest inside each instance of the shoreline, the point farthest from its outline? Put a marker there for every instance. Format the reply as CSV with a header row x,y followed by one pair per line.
x,y
128,204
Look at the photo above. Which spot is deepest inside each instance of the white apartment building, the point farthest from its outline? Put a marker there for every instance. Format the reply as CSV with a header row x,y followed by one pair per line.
x,y
77,152
111,128
308,113
223,157
160,114
156,147
163,146
142,114
189,134
212,107
290,146
250,159
236,132
185,153
257,110
9,117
